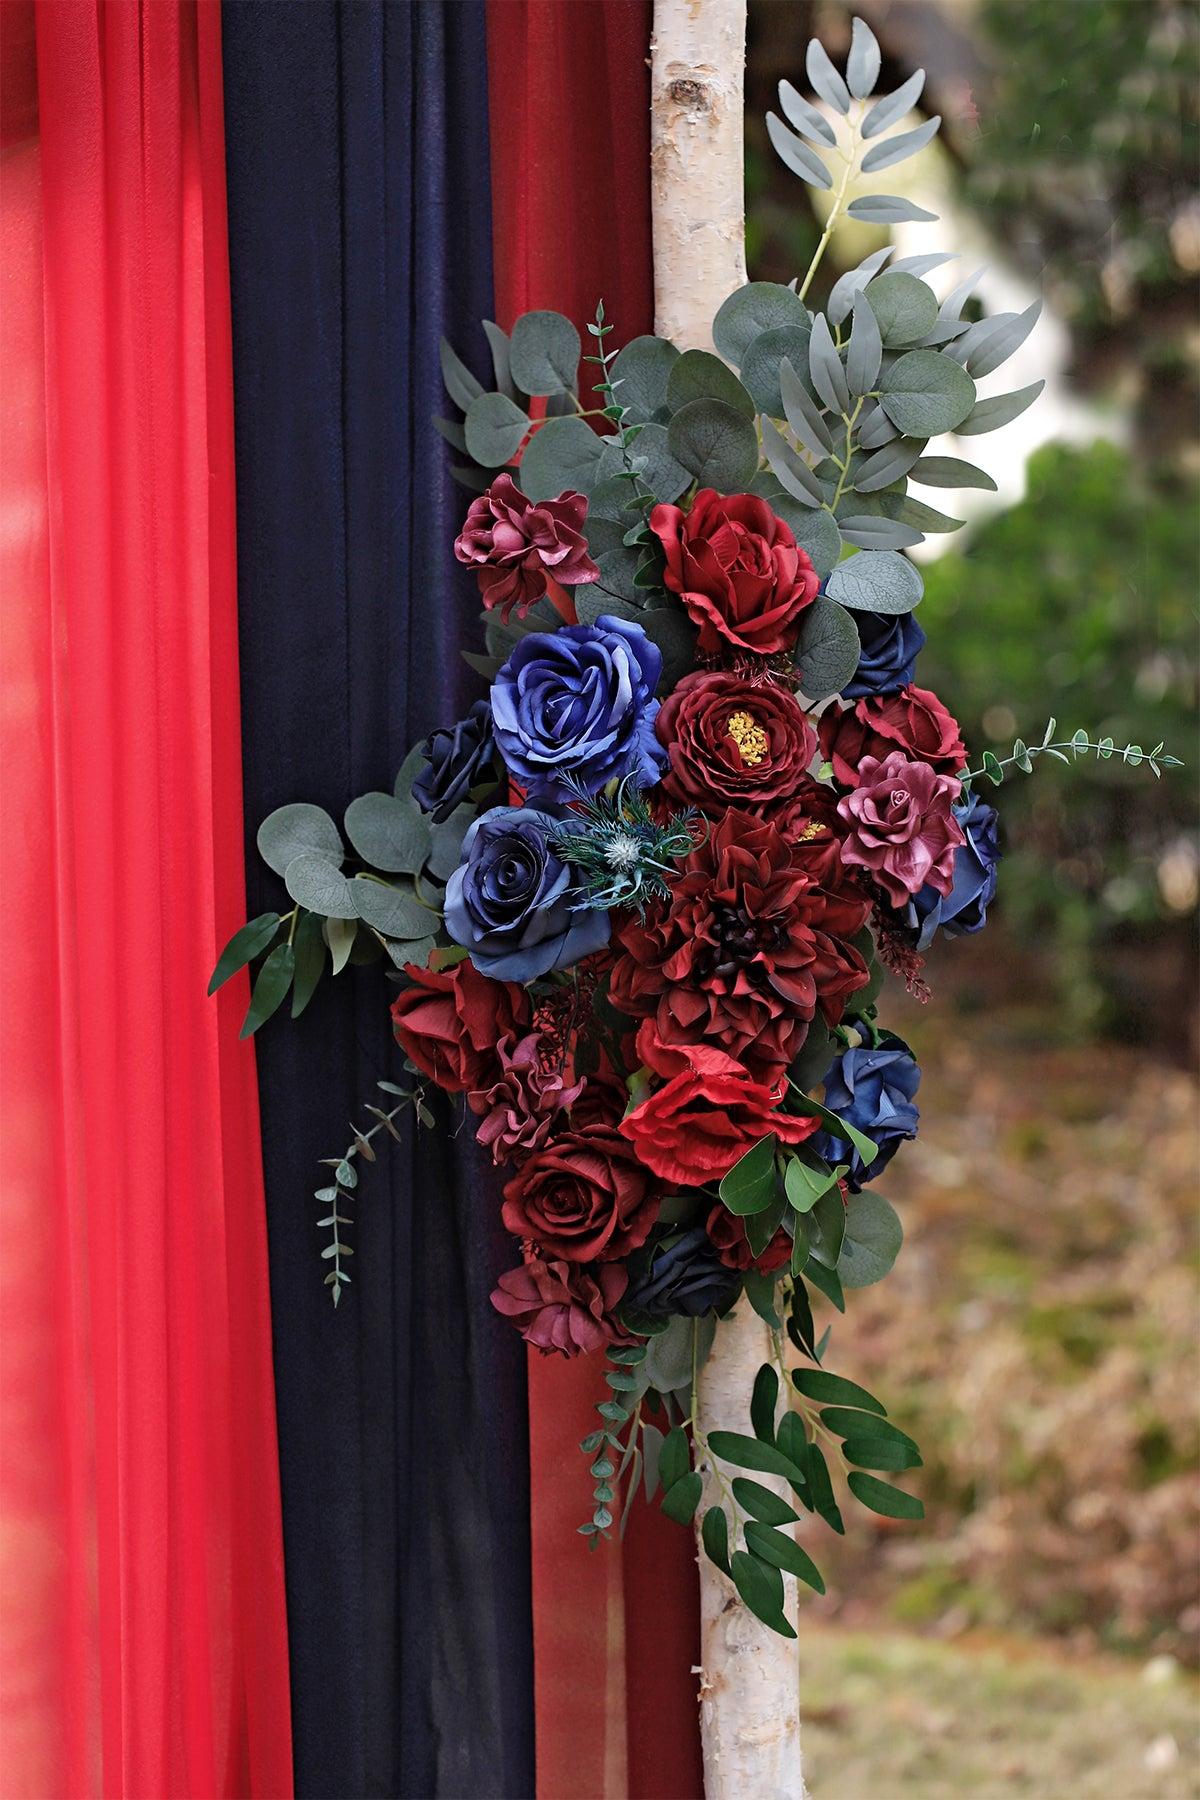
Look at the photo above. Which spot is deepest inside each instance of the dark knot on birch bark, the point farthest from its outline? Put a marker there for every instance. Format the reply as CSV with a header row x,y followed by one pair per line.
x,y
687,92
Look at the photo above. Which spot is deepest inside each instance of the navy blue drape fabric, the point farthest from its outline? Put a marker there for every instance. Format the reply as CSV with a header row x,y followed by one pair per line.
x,y
360,231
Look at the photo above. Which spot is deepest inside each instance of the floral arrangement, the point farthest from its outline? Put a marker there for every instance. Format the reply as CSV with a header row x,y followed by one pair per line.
x,y
642,899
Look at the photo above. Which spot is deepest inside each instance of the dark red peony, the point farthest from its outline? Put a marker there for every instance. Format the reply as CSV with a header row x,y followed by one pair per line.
x,y
727,1233
513,544
559,1306
523,1101
738,570
900,826
695,1128
583,1196
733,742
813,829
744,951
448,1023
913,720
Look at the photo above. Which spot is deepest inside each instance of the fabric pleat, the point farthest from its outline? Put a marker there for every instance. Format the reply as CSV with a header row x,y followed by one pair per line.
x,y
360,230
143,1583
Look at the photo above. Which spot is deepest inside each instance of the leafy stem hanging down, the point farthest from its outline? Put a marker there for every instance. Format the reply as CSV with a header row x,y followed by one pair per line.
x,y
345,1177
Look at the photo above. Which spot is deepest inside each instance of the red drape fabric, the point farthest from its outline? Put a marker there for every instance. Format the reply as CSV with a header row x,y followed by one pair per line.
x,y
616,1631
142,1574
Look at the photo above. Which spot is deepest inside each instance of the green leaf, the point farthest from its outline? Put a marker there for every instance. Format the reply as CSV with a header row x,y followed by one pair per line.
x,y
776,1547
561,454
461,385
880,1453
762,1502
820,1488
999,409
887,209
892,107
763,362
641,368
899,148
827,1227
826,81
835,1390
716,443
925,393
749,1453
800,408
670,628
498,345
800,1327
827,648
872,531
826,1280
495,426
761,1587
675,1458
668,1363
699,375
761,1227
796,155
904,307
272,983
816,1055
763,1401
848,1421
339,934
950,472
390,834
798,1226
243,947
790,470
319,885
887,465
805,117
665,477
791,1439
881,1497
291,831
681,1499
873,1238
750,1185
750,310
825,367
839,1127
309,946
760,1292
714,1535
865,353
805,1183
862,64
877,581
544,353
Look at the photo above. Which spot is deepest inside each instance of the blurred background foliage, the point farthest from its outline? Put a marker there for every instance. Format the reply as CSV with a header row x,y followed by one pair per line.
x,y
1040,1329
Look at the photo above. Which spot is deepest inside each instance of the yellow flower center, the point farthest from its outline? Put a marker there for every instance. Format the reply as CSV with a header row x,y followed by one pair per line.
x,y
749,736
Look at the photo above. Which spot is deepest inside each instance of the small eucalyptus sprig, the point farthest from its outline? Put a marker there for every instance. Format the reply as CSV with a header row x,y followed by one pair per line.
x,y
345,1177
1022,755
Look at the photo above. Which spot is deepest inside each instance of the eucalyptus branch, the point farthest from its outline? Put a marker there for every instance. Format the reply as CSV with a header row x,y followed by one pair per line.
x,y
849,159
345,1177
613,410
1065,750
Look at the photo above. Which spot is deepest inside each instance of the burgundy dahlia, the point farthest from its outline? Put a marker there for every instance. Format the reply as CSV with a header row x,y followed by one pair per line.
x,y
738,570
514,543
733,742
560,1307
583,1197
521,1104
900,826
913,720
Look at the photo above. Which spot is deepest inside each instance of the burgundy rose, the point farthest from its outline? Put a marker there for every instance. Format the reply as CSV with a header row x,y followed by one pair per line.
x,y
913,720
559,1306
583,1196
733,743
448,1022
727,1234
695,1128
900,826
738,570
744,951
514,544
523,1101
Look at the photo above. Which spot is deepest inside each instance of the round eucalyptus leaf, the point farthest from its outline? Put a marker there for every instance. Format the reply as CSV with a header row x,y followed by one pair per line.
x,y
618,563
879,581
760,365
699,375
715,443
642,368
925,393
315,882
827,648
445,850
759,306
872,1242
291,830
390,834
494,427
905,308
813,527
670,628
544,352
665,477
562,454
395,911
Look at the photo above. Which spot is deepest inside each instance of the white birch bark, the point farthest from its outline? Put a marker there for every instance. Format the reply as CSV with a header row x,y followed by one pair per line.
x,y
749,1676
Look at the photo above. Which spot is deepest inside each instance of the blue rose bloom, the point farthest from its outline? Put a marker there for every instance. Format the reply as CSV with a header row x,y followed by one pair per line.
x,y
571,709
456,761
685,1278
964,909
874,1090
891,643
512,903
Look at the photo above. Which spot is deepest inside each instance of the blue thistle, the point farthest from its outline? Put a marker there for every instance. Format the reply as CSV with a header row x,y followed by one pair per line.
x,y
622,855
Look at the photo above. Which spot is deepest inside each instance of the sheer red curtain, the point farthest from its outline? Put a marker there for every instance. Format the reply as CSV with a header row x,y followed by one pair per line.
x,y
616,1632
145,1645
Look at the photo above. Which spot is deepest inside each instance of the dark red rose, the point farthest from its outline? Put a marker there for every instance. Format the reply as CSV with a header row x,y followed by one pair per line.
x,y
913,720
513,544
559,1306
743,952
738,570
521,1104
728,1235
448,1023
901,828
695,1128
733,743
583,1197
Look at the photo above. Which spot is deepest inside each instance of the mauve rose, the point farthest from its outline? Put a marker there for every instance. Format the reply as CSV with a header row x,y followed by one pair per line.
x,y
559,1306
733,743
514,543
447,1023
901,827
523,1101
738,570
584,1196
913,720
727,1234
695,1128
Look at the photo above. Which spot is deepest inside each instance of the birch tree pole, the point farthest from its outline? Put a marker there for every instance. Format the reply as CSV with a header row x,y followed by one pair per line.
x,y
749,1676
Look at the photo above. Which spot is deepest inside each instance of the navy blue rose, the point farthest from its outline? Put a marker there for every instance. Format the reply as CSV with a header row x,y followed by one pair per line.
x,y
874,1090
685,1277
512,903
456,761
964,909
891,643
573,708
